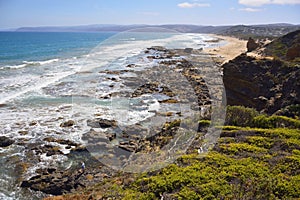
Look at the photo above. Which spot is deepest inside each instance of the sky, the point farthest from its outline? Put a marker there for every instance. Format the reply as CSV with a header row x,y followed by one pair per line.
x,y
24,13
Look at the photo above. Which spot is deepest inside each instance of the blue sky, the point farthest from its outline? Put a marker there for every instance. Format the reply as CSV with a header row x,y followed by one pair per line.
x,y
18,13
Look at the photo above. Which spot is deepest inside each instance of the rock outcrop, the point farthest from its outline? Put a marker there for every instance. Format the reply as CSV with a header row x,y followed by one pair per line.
x,y
251,45
267,85
101,123
68,123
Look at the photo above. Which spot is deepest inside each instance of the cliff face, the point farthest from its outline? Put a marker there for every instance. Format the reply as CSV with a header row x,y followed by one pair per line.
x,y
267,85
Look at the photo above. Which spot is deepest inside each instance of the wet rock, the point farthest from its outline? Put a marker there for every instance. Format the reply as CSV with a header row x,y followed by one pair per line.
x,y
127,146
112,78
111,136
68,123
102,123
56,181
33,123
110,72
158,48
23,132
56,184
5,141
48,149
169,101
166,114
61,141
188,50
148,88
131,65
2,105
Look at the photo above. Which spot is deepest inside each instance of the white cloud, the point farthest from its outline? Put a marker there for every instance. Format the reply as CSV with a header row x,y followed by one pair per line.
x,y
264,2
192,5
250,9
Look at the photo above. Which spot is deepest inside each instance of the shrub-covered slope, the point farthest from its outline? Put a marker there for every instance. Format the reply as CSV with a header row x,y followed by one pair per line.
x,y
249,162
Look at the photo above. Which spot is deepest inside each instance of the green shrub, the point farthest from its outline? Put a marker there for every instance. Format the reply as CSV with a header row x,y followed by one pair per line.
x,y
292,111
240,116
274,121
204,123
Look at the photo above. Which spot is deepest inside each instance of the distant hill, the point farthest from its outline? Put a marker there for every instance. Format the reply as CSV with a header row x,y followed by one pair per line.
x,y
241,31
183,28
259,31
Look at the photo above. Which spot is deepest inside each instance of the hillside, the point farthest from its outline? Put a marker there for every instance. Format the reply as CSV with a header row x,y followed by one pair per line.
x,y
261,162
286,47
259,31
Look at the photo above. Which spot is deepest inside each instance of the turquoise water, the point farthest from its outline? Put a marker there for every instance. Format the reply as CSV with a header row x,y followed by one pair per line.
x,y
16,47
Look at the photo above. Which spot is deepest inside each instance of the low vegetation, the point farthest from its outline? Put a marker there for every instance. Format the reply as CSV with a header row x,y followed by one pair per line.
x,y
257,157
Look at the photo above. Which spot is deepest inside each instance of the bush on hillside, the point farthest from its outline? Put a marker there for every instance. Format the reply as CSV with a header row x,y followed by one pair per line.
x,y
240,116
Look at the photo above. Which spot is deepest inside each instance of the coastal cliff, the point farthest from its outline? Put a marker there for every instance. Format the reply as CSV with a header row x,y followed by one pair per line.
x,y
266,84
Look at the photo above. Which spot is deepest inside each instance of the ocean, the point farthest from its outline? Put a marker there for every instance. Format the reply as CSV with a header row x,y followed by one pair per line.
x,y
49,78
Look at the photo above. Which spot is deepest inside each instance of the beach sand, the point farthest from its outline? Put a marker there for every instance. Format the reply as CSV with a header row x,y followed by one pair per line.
x,y
229,51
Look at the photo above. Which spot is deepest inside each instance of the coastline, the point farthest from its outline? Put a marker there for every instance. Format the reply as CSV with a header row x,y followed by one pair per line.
x,y
222,53
233,47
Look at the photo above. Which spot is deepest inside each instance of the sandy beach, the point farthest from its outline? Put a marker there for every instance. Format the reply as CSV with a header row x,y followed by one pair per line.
x,y
230,50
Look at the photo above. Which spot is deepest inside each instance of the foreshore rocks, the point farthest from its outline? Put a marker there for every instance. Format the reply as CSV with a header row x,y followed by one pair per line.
x,y
105,135
5,141
57,181
68,123
101,123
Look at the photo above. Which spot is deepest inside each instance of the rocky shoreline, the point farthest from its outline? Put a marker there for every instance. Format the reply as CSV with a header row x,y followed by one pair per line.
x,y
137,138
266,85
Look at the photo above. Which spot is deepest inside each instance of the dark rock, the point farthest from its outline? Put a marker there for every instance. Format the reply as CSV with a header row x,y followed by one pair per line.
x,y
61,141
68,123
32,123
169,101
251,45
188,50
131,65
23,132
2,105
110,72
111,136
56,184
5,141
102,123
266,85
48,149
158,48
